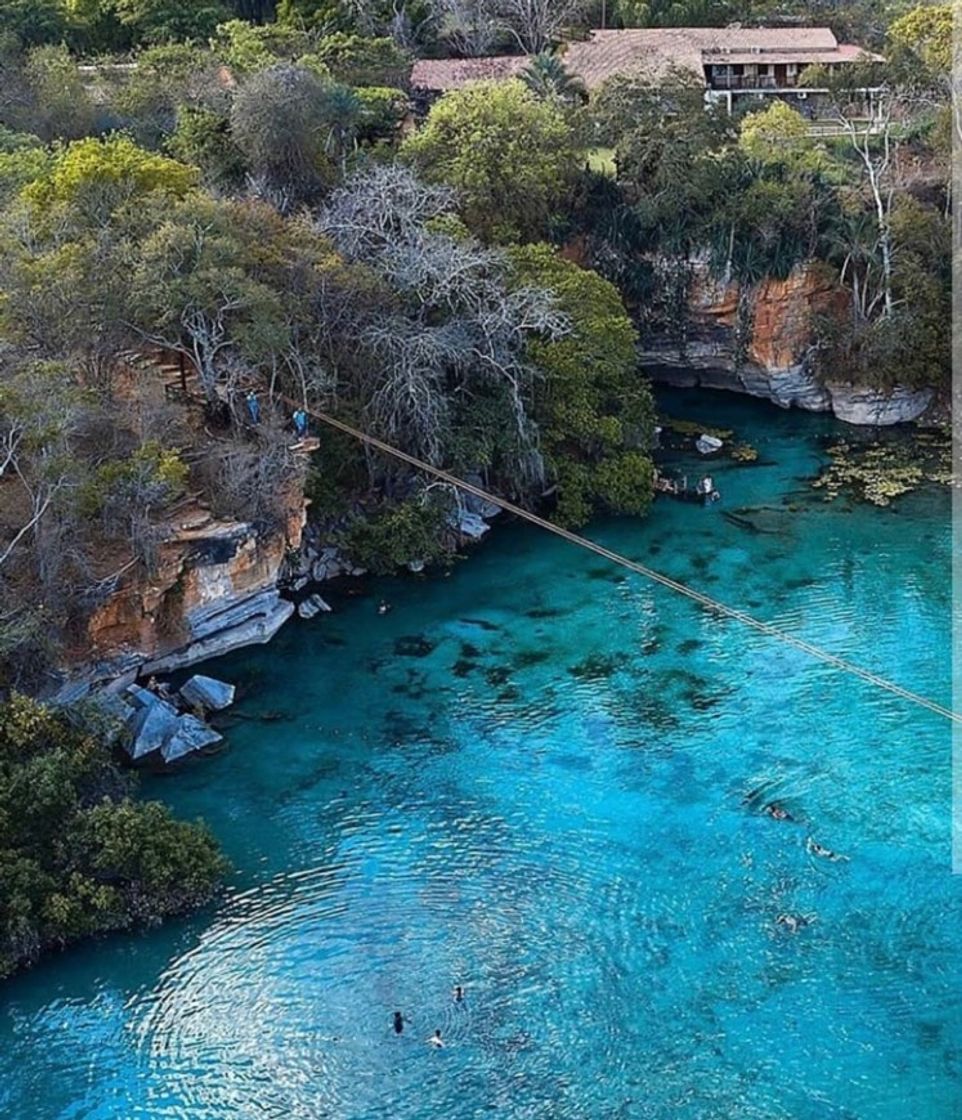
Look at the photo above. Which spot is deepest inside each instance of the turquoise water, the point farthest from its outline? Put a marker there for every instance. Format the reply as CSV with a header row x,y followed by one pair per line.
x,y
530,778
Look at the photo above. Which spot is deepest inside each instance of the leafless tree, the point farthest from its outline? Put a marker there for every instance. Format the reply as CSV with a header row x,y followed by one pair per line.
x,y
471,26
536,25
454,327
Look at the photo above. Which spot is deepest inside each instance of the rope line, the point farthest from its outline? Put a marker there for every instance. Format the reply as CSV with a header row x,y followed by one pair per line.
x,y
649,573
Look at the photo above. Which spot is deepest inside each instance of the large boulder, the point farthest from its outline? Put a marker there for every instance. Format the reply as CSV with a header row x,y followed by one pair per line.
x,y
858,404
189,735
208,694
151,724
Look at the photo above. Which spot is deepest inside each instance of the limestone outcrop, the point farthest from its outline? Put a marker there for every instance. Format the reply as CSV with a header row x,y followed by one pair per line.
x,y
773,359
214,589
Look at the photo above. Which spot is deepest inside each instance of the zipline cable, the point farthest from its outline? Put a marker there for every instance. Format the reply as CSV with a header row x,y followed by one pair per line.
x,y
649,573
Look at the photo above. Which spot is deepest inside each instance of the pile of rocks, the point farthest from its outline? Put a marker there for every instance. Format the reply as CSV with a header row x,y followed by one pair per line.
x,y
166,726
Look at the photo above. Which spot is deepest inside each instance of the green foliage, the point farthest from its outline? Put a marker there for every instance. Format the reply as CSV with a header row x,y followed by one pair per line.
x,y
388,538
33,22
926,32
510,156
77,856
778,134
151,477
381,113
675,13
98,176
203,139
247,48
593,405
358,61
166,21
546,77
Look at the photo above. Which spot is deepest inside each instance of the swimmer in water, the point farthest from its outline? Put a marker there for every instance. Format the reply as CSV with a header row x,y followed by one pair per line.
x,y
383,607
435,1040
794,922
458,993
398,1022
778,812
824,853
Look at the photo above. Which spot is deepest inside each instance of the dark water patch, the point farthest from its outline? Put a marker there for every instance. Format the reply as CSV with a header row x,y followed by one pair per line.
x,y
509,694
463,668
801,582
499,674
598,666
481,622
654,549
606,571
650,646
334,640
652,711
413,645
528,657
689,645
470,652
544,612
699,563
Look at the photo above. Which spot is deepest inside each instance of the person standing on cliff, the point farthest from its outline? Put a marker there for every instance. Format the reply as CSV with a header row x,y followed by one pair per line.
x,y
253,406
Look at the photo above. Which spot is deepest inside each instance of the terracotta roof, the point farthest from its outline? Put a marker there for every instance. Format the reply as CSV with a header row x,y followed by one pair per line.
x,y
654,53
452,73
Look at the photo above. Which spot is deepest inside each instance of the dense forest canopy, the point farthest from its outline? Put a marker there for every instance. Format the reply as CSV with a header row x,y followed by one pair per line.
x,y
246,187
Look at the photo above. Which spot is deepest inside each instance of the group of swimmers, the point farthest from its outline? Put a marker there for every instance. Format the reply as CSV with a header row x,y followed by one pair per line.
x,y
435,1039
794,922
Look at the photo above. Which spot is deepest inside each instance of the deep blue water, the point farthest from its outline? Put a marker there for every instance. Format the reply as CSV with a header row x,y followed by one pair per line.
x,y
529,778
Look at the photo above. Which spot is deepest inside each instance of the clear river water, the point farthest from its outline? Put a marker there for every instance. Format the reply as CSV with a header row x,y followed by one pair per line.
x,y
544,778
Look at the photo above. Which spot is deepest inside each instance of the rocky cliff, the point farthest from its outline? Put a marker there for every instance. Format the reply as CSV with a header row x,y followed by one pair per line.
x,y
772,359
214,589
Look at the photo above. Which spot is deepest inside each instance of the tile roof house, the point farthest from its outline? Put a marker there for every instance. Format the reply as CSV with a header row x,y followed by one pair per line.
x,y
727,61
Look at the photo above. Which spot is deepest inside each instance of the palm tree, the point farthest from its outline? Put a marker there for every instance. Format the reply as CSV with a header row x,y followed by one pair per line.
x,y
546,77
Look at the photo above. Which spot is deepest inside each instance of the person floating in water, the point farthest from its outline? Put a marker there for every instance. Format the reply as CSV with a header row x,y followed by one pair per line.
x,y
458,993
824,853
778,812
383,607
794,922
435,1040
398,1023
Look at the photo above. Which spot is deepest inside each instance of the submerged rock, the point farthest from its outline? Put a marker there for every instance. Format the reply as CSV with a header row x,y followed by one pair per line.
x,y
313,606
207,693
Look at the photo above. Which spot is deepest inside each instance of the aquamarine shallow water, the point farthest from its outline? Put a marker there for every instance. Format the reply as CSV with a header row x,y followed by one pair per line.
x,y
529,778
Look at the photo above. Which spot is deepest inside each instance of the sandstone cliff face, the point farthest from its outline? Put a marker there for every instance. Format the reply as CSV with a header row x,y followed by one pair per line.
x,y
215,589
775,362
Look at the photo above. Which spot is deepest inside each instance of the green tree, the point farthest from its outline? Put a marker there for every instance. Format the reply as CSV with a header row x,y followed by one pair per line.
x,y
593,405
78,856
33,22
294,129
247,48
546,77
926,32
510,157
203,139
359,61
165,21
91,179
778,134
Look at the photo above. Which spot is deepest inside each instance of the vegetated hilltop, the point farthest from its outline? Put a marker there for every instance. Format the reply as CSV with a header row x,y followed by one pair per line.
x,y
255,196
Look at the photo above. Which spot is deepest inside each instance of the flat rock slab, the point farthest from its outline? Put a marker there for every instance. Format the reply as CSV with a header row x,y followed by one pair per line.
x,y
207,693
191,734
